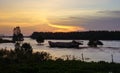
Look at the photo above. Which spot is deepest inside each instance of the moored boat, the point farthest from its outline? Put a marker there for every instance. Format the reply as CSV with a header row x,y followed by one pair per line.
x,y
72,44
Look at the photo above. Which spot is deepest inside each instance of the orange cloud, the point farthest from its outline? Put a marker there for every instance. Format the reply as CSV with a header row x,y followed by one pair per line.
x,y
61,28
65,28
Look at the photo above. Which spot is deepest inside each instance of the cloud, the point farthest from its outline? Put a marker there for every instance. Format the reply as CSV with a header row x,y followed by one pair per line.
x,y
110,13
65,28
54,4
100,20
103,23
16,20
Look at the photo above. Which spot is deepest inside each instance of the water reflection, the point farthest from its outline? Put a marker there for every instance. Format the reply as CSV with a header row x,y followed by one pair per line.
x,y
90,54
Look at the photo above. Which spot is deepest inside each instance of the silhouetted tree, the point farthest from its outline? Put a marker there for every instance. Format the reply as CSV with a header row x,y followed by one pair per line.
x,y
40,39
27,48
17,35
94,43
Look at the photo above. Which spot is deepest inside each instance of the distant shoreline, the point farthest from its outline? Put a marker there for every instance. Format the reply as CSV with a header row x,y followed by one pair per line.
x,y
12,36
87,35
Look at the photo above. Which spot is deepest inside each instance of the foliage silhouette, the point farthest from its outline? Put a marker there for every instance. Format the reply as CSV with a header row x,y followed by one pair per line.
x,y
86,35
40,39
24,61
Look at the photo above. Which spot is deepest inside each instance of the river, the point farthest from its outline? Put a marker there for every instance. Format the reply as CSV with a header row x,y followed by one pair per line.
x,y
90,54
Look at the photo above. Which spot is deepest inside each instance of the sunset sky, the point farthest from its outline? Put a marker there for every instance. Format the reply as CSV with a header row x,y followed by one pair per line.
x,y
59,15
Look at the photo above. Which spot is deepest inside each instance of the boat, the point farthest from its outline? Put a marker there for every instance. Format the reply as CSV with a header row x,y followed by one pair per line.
x,y
72,44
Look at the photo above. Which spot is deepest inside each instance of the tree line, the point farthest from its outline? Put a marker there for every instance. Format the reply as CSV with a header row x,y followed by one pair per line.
x,y
86,35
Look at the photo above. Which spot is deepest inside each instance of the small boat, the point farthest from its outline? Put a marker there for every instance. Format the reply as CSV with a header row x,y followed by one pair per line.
x,y
73,44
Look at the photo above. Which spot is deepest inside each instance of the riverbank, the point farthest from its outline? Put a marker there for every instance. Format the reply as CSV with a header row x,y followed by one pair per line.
x,y
60,67
25,61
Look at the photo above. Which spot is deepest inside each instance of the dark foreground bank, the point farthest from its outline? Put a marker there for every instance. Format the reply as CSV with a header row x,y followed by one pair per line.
x,y
60,67
23,60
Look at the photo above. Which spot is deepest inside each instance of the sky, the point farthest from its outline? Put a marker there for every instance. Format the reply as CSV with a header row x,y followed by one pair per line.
x,y
59,15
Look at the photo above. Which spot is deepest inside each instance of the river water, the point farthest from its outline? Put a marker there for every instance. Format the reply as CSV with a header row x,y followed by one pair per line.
x,y
90,54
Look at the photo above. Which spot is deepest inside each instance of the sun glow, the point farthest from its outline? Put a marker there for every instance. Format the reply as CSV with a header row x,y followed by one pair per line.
x,y
63,28
39,19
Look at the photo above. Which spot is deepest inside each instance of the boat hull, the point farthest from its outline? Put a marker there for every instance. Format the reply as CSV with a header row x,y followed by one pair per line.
x,y
64,44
